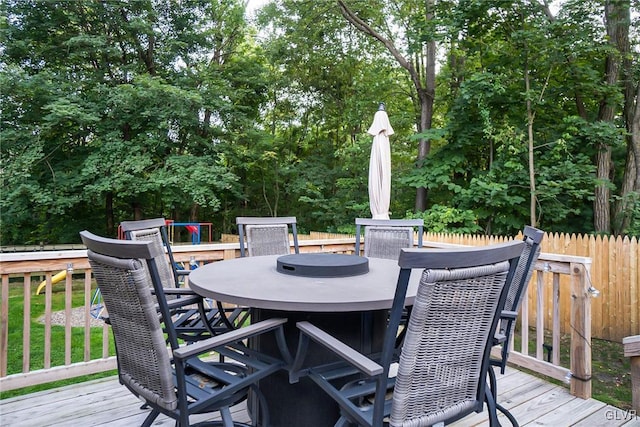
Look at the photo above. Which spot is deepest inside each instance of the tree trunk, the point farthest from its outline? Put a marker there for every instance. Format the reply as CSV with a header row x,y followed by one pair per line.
x,y
424,146
635,138
193,213
532,175
108,208
426,97
137,211
623,208
630,189
601,212
601,207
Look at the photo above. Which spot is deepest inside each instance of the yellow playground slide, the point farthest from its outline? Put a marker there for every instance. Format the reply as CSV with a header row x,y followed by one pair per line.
x,y
54,279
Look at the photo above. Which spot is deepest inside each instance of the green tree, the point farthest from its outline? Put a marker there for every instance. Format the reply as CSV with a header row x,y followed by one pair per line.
x,y
504,93
602,60
407,30
128,109
327,83
121,109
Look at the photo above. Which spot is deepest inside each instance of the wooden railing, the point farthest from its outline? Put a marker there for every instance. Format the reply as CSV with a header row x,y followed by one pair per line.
x,y
632,351
542,310
615,272
577,300
23,272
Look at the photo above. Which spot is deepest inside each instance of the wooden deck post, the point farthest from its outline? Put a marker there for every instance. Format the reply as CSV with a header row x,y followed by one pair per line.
x,y
632,350
580,332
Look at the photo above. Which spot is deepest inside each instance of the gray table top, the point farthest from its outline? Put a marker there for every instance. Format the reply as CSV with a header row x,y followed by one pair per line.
x,y
255,282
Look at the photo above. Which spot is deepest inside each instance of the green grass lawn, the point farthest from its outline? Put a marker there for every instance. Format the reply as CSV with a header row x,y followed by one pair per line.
x,y
15,348
611,373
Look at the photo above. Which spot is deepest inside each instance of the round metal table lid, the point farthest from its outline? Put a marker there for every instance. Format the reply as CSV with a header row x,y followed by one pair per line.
x,y
322,265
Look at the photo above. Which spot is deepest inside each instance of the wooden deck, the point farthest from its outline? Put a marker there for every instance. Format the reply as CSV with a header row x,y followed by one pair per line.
x,y
533,401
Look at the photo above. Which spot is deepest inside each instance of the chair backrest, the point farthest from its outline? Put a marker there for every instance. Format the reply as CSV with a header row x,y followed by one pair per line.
x,y
125,272
532,237
445,356
155,231
266,235
385,237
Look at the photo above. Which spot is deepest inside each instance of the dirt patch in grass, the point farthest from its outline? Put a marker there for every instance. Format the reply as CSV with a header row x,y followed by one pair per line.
x,y
77,318
611,373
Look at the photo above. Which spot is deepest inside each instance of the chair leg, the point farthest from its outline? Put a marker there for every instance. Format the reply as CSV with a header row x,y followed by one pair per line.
x,y
150,418
491,407
227,420
507,414
262,410
493,382
493,386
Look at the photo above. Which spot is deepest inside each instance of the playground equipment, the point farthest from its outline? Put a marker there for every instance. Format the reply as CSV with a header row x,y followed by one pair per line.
x,y
194,229
97,308
54,279
197,231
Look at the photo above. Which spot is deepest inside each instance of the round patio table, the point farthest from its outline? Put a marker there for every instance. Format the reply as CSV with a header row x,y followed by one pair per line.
x,y
352,308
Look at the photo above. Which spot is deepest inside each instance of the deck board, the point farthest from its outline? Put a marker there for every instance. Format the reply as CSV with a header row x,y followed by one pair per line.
x,y
534,409
608,416
524,389
104,402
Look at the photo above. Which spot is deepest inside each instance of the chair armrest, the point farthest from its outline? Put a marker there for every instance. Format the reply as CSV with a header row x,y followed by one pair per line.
x,y
178,291
347,353
509,315
499,338
232,336
183,272
187,297
181,302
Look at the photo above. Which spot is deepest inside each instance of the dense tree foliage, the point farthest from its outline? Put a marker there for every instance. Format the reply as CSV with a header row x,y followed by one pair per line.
x,y
115,110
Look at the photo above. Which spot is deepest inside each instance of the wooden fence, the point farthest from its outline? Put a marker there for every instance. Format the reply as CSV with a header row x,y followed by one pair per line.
x,y
615,274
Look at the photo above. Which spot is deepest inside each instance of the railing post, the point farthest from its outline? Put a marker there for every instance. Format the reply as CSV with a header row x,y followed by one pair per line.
x,y
580,332
68,297
632,350
4,325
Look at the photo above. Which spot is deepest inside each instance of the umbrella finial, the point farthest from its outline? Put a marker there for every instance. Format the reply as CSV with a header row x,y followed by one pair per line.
x,y
381,106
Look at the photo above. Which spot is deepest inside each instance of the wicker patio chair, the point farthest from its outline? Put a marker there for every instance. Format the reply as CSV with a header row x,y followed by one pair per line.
x,y
188,317
532,237
266,235
180,383
383,238
442,370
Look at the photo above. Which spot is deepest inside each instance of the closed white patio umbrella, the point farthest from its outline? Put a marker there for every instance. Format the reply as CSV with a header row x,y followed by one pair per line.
x,y
380,165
